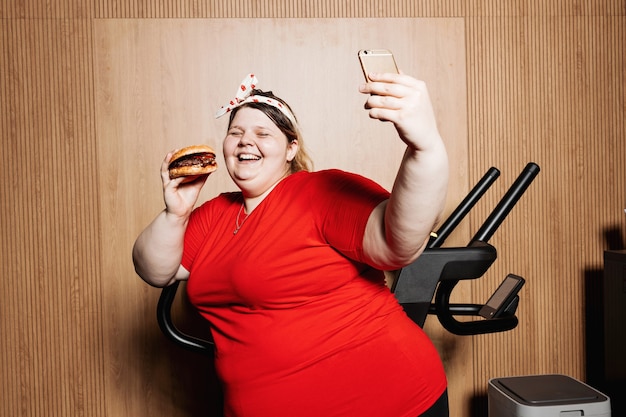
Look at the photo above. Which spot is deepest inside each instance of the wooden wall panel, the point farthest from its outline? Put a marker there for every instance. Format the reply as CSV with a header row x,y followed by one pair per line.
x,y
51,309
545,82
549,89
277,8
158,89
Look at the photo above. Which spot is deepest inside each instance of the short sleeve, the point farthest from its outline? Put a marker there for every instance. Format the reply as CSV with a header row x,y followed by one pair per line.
x,y
347,201
194,235
202,220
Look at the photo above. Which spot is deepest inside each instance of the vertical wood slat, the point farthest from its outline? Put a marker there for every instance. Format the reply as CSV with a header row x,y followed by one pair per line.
x,y
52,359
34,9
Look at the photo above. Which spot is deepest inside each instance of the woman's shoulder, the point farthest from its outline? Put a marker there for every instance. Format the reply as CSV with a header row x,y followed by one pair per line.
x,y
314,179
331,184
333,177
221,201
321,175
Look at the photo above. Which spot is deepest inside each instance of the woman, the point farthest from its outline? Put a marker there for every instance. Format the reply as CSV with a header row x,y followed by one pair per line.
x,y
288,270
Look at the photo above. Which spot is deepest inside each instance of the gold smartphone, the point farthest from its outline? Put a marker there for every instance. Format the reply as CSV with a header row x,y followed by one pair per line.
x,y
377,61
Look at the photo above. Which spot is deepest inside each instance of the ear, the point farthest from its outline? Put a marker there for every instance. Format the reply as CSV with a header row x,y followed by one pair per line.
x,y
292,150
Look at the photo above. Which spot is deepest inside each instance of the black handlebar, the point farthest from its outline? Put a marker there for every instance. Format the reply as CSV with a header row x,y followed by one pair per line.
x,y
446,312
507,203
443,309
464,207
167,326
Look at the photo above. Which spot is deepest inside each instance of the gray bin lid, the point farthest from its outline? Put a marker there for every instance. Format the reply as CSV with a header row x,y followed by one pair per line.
x,y
543,390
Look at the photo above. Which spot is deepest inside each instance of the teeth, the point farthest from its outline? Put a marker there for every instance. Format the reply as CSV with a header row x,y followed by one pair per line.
x,y
248,157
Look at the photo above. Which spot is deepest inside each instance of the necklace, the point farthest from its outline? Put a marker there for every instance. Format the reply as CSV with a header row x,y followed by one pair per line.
x,y
237,224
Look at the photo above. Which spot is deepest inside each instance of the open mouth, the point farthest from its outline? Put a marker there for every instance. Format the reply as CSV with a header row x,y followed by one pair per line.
x,y
249,157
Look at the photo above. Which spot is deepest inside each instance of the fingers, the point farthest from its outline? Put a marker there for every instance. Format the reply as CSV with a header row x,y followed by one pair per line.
x,y
195,180
383,102
392,91
377,88
170,185
405,102
385,97
383,115
387,100
165,175
168,157
180,194
389,84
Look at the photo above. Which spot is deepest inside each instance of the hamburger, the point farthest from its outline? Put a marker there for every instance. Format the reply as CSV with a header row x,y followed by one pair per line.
x,y
192,160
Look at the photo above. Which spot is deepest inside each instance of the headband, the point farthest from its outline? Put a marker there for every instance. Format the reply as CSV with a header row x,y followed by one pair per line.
x,y
243,96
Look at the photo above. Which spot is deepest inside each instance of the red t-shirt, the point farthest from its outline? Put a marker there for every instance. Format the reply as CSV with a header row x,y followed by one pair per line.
x,y
302,327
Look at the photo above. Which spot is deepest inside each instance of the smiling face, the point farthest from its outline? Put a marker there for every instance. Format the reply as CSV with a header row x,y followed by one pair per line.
x,y
257,153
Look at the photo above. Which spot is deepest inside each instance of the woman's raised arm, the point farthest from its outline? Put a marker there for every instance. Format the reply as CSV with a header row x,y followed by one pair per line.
x,y
399,228
158,250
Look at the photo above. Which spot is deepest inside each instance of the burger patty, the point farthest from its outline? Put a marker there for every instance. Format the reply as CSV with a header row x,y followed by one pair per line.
x,y
197,159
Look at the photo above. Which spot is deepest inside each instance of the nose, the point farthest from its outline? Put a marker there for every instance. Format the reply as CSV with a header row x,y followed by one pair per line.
x,y
245,139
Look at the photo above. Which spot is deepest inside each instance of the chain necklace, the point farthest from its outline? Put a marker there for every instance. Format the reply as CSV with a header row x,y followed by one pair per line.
x,y
237,224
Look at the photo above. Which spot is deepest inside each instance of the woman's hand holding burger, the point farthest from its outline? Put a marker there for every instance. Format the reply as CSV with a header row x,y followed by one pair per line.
x,y
184,173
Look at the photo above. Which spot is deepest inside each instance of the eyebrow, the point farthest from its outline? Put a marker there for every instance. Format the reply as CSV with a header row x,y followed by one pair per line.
x,y
253,127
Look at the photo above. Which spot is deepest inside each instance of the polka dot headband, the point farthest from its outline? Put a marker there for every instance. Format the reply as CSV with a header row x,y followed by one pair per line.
x,y
243,96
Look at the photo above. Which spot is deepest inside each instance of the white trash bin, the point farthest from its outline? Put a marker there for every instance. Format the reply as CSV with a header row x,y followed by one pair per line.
x,y
552,395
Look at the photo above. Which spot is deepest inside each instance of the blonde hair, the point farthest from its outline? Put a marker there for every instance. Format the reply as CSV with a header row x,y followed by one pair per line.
x,y
302,161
